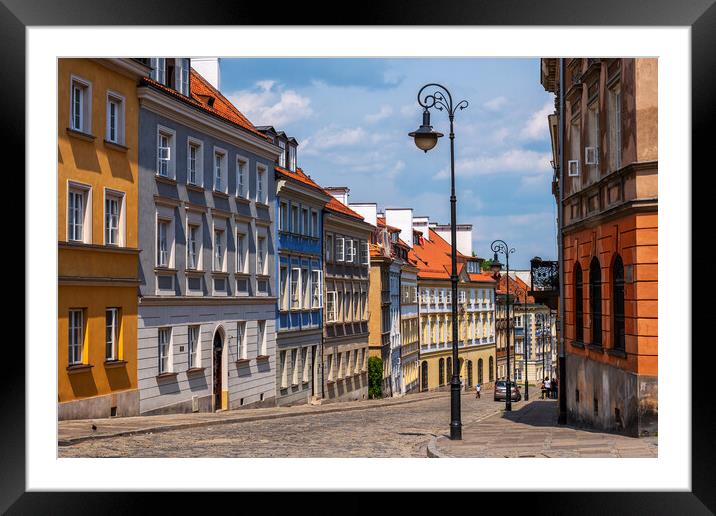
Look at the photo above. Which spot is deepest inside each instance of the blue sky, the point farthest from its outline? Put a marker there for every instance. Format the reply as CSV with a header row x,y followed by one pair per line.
x,y
352,117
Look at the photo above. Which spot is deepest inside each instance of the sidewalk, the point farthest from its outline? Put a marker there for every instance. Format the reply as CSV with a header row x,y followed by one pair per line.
x,y
531,430
75,431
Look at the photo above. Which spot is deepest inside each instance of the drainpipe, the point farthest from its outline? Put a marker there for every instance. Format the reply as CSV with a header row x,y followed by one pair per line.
x,y
323,319
562,420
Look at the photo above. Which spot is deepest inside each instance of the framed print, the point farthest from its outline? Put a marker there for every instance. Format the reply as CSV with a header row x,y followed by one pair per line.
x,y
237,307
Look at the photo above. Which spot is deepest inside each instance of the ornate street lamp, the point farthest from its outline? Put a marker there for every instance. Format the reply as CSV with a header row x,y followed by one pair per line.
x,y
425,139
499,246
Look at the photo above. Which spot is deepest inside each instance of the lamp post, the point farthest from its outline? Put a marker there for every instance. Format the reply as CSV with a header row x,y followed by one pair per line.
x,y
499,246
541,337
520,292
425,139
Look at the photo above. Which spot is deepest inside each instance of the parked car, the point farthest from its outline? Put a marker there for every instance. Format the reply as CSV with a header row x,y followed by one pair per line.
x,y
501,388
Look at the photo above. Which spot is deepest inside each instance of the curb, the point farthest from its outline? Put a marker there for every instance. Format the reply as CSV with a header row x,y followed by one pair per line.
x,y
433,451
194,424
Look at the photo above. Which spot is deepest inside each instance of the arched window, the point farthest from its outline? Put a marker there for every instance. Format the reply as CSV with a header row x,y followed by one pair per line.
x,y
441,372
595,300
449,369
424,378
618,303
491,365
479,371
578,304
469,373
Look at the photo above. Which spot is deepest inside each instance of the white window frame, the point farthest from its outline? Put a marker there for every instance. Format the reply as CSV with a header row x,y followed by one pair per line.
x,y
181,72
291,157
295,289
283,365
169,242
193,346
119,100
241,347
331,305
167,348
223,183
294,366
120,198
167,153
85,115
261,338
284,288
113,346
261,252
283,216
242,165
365,255
159,69
198,161
198,245
241,252
261,180
305,288
75,347
219,246
340,249
86,194
317,288
282,156
304,364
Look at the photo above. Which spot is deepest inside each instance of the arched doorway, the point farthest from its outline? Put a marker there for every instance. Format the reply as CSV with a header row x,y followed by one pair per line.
x,y
441,372
469,373
217,354
424,376
479,371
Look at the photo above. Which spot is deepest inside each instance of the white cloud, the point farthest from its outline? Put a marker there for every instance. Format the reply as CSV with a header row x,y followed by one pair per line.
x,y
536,127
271,105
495,104
384,112
410,110
331,136
514,161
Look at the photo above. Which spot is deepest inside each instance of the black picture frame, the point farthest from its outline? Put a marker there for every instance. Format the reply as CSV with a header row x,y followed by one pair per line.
x,y
700,15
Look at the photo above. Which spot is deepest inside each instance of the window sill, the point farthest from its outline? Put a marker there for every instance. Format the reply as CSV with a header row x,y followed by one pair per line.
x,y
109,364
195,370
167,270
262,357
577,344
330,382
79,368
164,179
242,200
595,347
260,204
191,272
80,135
195,188
222,195
295,385
166,375
617,353
220,274
116,146
243,361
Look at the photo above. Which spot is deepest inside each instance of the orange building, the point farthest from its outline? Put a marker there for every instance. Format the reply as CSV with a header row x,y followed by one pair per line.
x,y
98,115
609,229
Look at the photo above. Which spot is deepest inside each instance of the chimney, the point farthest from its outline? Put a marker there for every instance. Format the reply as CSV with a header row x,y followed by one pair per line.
x,y
339,192
421,223
401,218
463,233
369,211
208,68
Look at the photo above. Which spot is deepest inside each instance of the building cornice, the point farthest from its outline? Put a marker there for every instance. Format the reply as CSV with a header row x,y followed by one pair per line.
x,y
287,187
199,300
620,210
173,109
126,66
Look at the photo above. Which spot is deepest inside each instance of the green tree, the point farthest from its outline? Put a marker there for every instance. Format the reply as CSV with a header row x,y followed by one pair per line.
x,y
487,265
375,377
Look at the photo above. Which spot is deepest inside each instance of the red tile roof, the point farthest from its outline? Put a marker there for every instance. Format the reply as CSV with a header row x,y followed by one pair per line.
x,y
337,206
300,176
514,283
201,91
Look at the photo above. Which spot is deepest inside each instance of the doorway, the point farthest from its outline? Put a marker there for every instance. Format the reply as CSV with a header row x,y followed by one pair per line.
x,y
218,349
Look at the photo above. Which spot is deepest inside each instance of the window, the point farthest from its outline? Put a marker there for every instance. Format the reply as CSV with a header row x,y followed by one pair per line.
x,y
165,336
304,364
314,223
441,372
219,171
261,337
282,156
219,249
350,250
618,308
283,288
292,158
283,217
340,249
242,165
595,300
81,105
260,255
115,118
261,184
193,345
305,288
163,243
159,69
284,369
240,252
305,228
591,152
192,248
331,306
76,336
78,225
329,248
614,127
329,368
241,350
182,75
294,366
339,365
295,288
364,256
195,162
111,333
294,219
578,304
112,217
491,369
165,152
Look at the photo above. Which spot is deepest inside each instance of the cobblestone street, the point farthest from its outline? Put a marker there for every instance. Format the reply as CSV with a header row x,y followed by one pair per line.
x,y
384,431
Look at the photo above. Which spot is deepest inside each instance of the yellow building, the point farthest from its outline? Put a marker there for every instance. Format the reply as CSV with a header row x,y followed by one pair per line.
x,y
476,296
98,116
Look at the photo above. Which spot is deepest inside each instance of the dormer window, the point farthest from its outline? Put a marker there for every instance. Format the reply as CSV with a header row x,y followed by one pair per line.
x,y
173,73
159,69
282,156
292,158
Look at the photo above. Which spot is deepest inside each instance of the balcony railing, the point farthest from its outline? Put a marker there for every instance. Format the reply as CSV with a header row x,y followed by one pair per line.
x,y
544,281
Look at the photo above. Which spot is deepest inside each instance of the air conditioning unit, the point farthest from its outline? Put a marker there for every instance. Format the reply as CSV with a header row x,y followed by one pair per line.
x,y
591,155
573,167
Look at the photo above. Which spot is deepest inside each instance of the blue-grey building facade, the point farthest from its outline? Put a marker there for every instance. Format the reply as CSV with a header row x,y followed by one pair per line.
x,y
206,315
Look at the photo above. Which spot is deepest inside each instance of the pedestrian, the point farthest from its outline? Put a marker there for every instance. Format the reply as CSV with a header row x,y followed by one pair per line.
x,y
477,391
547,387
553,384
543,389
